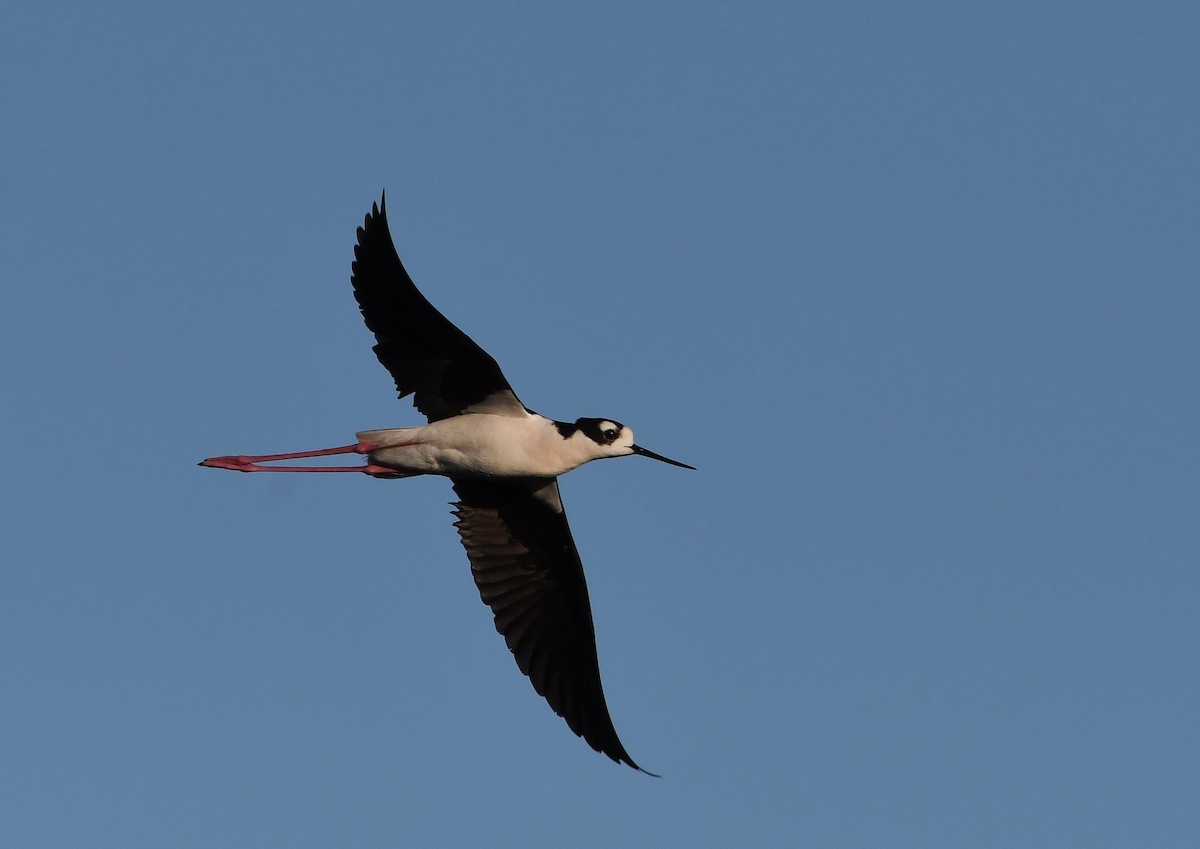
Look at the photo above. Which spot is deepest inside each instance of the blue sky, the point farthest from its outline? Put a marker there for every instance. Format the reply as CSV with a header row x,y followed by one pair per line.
x,y
915,286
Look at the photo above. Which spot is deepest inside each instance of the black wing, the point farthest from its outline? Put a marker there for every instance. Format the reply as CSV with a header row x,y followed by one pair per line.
x,y
446,372
528,572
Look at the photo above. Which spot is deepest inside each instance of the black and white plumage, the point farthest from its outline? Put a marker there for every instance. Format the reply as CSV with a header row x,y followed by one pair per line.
x,y
428,357
503,461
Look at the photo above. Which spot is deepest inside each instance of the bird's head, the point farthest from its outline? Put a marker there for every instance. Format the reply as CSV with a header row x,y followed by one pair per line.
x,y
610,438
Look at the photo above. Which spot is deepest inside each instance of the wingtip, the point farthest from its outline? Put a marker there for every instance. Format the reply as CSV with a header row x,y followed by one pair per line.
x,y
379,210
623,758
620,756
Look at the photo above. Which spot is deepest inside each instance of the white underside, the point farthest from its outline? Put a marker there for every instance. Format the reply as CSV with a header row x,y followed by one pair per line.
x,y
480,445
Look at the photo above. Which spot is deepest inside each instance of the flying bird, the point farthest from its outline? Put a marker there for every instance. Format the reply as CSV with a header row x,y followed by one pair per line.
x,y
503,461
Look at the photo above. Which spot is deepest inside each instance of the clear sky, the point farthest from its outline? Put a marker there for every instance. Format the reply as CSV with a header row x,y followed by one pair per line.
x,y
915,285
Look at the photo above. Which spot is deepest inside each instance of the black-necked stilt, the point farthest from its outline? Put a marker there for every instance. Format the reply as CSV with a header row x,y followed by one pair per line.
x,y
503,460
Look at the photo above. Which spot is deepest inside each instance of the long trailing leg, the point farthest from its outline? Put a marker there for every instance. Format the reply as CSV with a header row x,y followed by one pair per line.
x,y
247,463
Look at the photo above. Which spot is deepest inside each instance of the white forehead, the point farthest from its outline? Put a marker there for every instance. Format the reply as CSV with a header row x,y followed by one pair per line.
x,y
607,425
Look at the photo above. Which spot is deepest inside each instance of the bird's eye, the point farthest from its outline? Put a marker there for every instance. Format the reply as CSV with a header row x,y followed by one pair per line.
x,y
610,434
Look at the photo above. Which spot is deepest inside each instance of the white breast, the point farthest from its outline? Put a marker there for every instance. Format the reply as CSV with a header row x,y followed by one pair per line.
x,y
478,444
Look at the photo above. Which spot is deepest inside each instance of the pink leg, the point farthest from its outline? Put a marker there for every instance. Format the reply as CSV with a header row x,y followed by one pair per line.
x,y
244,463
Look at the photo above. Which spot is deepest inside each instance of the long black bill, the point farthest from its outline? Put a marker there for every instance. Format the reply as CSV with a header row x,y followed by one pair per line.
x,y
637,449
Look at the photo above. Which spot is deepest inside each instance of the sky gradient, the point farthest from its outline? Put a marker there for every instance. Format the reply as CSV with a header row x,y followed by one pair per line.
x,y
915,286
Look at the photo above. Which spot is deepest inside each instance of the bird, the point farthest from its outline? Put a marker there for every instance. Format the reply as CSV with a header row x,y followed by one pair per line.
x,y
503,461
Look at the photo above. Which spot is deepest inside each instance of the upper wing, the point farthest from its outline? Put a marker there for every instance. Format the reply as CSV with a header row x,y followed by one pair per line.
x,y
428,356
528,572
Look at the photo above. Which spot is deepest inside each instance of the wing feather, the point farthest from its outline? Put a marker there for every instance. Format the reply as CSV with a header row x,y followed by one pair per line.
x,y
528,572
428,357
